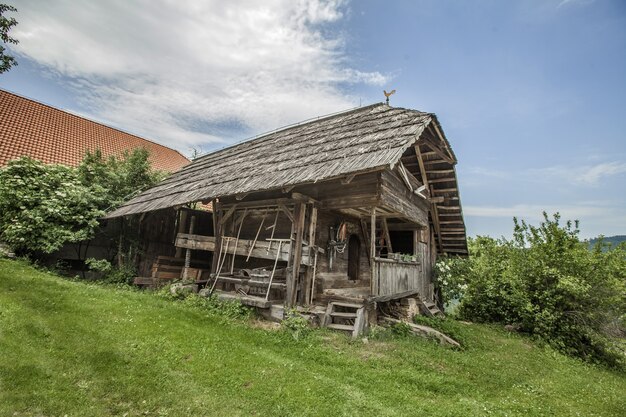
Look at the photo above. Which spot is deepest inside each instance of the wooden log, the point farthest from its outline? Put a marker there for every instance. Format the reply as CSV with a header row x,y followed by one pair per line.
x,y
425,331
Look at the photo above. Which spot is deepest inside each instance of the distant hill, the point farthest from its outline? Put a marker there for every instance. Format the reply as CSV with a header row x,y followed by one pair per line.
x,y
613,240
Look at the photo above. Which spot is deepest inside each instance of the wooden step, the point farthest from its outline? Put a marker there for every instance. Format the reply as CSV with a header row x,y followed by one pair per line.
x,y
348,305
344,327
343,315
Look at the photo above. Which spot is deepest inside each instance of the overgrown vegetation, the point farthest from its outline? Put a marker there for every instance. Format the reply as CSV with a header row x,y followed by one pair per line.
x,y
546,283
79,349
43,207
6,24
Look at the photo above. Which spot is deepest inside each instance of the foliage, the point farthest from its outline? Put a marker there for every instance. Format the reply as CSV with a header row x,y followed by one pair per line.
x,y
111,274
547,282
212,305
116,180
6,61
44,206
296,325
79,349
450,276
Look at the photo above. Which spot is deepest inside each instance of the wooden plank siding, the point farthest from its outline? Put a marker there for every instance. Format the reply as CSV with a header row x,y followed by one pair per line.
x,y
395,195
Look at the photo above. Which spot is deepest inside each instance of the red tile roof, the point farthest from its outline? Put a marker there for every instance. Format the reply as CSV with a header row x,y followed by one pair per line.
x,y
53,136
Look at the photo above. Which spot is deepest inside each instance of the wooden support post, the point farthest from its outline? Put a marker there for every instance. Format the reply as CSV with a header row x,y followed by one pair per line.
x,y
296,255
310,270
188,251
434,212
182,221
257,236
232,264
217,231
366,239
269,286
420,161
387,237
373,283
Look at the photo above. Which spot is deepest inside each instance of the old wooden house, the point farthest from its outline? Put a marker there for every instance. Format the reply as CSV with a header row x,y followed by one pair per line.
x,y
339,215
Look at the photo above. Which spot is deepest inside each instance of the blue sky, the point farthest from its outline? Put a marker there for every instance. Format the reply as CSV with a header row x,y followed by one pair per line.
x,y
531,94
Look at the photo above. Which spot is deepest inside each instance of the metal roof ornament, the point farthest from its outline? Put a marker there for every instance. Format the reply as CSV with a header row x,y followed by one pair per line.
x,y
388,94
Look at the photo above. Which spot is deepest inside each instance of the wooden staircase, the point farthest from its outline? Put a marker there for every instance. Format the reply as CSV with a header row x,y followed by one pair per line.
x,y
346,317
430,309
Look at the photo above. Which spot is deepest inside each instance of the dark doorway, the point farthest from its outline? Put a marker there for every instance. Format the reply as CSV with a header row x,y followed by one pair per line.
x,y
354,253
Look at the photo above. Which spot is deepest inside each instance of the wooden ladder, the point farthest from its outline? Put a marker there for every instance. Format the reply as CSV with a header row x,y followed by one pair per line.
x,y
347,317
430,309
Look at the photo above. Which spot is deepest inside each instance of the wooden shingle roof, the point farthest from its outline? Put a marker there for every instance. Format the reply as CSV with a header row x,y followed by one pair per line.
x,y
360,140
53,136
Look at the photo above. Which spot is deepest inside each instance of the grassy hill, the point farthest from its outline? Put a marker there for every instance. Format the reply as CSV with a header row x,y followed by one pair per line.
x,y
77,349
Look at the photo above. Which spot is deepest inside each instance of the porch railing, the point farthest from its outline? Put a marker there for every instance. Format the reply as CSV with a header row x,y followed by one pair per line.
x,y
393,276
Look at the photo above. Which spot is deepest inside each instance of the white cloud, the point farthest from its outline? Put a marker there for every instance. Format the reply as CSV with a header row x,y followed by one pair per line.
x,y
534,211
584,175
579,2
179,72
570,175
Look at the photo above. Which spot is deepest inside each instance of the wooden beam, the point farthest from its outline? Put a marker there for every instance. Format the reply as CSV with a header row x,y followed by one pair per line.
x,y
404,176
373,283
229,213
308,278
444,141
348,179
217,231
296,255
438,180
440,171
435,216
269,203
287,212
386,233
366,239
420,161
440,152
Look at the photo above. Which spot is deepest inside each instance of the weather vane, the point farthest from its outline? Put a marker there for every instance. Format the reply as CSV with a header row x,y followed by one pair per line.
x,y
387,94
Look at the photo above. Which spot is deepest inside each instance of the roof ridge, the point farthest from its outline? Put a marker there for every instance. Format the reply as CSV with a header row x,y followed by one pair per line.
x,y
70,113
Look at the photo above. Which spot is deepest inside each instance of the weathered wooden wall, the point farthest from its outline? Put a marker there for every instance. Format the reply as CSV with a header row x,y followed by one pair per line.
x,y
157,233
395,194
338,276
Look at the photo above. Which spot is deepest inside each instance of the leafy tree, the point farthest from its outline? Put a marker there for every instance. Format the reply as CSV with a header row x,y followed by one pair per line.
x,y
116,180
43,207
546,281
6,61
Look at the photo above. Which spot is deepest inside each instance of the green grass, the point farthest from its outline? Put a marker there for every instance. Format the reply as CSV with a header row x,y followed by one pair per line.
x,y
75,349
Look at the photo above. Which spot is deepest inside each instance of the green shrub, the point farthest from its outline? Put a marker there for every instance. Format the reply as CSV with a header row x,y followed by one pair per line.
x,y
296,325
547,282
43,207
111,274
